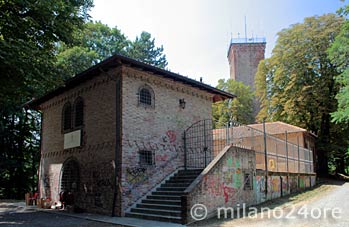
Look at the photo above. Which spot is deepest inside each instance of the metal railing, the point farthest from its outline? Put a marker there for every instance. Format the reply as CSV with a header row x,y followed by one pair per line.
x,y
248,40
202,143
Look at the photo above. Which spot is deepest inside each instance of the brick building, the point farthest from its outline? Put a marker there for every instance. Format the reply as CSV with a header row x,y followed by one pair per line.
x,y
114,132
244,56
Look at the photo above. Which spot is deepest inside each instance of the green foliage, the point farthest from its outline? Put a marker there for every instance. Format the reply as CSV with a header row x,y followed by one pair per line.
x,y
97,41
19,156
29,31
143,49
239,109
74,60
297,83
339,56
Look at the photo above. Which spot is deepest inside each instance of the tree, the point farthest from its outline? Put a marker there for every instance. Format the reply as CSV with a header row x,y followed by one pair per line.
x,y
92,44
29,32
74,60
339,56
98,41
239,109
143,49
296,84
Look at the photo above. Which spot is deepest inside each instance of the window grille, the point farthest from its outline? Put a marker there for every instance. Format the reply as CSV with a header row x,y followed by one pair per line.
x,y
146,158
145,97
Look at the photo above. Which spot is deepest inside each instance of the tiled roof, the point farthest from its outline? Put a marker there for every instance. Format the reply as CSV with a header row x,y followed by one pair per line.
x,y
117,60
277,127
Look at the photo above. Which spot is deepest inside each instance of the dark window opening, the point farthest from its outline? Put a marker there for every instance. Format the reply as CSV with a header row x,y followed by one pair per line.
x,y
247,182
67,117
146,158
79,112
145,97
70,176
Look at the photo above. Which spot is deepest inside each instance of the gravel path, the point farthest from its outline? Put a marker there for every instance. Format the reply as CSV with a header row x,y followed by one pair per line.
x,y
327,205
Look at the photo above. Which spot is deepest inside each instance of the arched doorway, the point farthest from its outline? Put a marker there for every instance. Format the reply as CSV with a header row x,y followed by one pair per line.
x,y
70,176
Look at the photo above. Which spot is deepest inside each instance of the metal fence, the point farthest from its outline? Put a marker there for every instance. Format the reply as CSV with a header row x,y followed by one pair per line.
x,y
202,143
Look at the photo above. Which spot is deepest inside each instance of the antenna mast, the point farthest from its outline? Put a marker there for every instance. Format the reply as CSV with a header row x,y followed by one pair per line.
x,y
245,30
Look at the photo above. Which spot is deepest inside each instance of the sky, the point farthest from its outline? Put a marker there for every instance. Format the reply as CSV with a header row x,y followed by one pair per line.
x,y
196,34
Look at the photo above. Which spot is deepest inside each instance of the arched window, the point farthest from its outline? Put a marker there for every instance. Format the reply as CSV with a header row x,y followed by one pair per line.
x,y
146,96
70,176
67,117
78,112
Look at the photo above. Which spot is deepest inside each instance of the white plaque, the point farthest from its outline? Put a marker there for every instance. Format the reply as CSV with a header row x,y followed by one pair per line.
x,y
72,139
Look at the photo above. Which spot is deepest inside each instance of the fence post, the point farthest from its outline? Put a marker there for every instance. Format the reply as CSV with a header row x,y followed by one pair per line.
x,y
205,144
185,150
298,155
286,151
265,160
287,185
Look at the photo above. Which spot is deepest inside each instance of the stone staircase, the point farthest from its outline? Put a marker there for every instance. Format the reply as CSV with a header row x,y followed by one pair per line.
x,y
164,203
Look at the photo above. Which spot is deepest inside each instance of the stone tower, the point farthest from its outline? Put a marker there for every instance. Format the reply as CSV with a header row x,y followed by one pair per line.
x,y
244,56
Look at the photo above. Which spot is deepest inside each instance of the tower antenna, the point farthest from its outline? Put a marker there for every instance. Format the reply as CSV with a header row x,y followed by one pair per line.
x,y
245,29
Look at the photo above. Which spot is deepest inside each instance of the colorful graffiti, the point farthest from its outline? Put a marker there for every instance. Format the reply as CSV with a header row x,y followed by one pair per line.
x,y
171,135
136,175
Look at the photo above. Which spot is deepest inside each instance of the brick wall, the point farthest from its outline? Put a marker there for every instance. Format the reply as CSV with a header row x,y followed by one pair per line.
x,y
159,129
96,155
222,183
243,60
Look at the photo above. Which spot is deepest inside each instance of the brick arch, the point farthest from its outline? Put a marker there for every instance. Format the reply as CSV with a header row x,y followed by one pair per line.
x,y
70,175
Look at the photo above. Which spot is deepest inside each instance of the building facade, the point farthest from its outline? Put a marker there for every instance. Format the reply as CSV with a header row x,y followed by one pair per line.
x,y
114,132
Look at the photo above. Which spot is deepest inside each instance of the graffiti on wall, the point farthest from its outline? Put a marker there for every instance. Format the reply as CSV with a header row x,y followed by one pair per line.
x,y
293,184
228,182
136,175
260,188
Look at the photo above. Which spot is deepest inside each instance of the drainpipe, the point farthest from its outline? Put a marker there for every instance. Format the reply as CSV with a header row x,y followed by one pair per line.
x,y
118,107
40,162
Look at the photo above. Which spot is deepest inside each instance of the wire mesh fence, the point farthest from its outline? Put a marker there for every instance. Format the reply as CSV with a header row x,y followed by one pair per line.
x,y
203,142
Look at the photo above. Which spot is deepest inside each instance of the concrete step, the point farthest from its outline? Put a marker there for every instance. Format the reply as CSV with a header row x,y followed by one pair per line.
x,y
164,204
171,213
162,201
180,181
176,189
154,217
159,206
166,193
165,197
171,185
190,178
197,171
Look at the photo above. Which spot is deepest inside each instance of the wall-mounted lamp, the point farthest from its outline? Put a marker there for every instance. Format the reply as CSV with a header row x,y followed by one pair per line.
x,y
182,103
